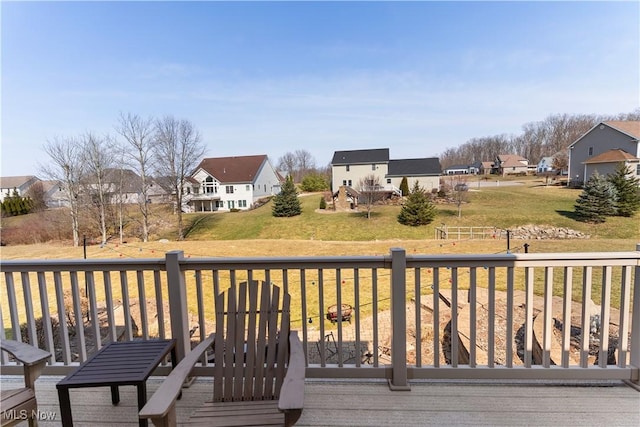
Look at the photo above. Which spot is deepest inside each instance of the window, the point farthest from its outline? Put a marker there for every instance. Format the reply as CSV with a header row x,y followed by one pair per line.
x,y
591,151
347,168
344,182
231,204
208,186
388,180
229,189
350,184
242,203
247,187
638,170
219,204
373,167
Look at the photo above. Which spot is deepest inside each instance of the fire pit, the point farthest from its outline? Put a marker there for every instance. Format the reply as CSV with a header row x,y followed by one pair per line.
x,y
345,312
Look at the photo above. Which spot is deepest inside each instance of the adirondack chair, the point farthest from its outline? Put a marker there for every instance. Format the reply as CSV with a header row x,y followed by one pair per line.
x,y
20,404
259,365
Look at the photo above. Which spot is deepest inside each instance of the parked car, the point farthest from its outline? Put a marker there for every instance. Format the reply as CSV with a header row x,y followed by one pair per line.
x,y
461,187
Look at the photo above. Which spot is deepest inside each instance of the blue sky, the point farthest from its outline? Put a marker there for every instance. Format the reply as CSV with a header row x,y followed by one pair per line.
x,y
275,77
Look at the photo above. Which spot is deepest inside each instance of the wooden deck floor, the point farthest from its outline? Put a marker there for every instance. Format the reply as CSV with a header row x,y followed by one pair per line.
x,y
370,403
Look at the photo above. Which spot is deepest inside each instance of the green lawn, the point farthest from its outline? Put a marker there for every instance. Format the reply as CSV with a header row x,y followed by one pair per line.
x,y
503,207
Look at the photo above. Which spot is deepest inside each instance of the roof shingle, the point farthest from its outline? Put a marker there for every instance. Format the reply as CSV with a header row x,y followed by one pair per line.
x,y
233,169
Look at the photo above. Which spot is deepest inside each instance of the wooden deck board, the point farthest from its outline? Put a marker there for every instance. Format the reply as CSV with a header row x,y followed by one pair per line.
x,y
371,403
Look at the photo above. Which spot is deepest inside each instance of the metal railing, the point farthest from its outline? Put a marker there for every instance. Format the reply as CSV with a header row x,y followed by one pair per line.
x,y
501,316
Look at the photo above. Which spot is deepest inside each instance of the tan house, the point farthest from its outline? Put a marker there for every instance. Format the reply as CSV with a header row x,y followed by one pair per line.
x,y
510,164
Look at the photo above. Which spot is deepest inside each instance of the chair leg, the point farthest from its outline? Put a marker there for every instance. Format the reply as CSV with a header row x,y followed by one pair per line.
x,y
292,417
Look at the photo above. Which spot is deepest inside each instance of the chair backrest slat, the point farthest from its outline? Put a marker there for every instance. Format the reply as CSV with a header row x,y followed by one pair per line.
x,y
228,344
251,344
239,344
271,344
283,344
218,349
251,341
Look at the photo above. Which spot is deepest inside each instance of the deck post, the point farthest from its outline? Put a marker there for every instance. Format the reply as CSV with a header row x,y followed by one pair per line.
x,y
635,327
177,303
398,381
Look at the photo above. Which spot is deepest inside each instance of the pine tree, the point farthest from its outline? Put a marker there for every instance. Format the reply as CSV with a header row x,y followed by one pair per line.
x,y
404,186
628,189
418,208
597,201
286,203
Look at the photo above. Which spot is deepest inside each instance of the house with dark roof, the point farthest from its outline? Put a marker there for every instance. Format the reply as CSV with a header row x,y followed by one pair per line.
x,y
350,168
425,171
602,148
226,183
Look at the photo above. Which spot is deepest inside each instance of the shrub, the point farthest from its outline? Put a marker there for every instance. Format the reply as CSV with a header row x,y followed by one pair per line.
x,y
323,203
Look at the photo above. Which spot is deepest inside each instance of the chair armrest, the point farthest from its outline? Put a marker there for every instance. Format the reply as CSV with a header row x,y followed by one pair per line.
x,y
25,353
163,400
292,391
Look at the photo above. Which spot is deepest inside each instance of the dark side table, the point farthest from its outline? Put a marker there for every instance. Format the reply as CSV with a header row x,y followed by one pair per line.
x,y
116,364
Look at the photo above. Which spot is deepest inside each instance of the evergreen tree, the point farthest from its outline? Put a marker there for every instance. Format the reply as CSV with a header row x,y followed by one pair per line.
x,y
597,201
404,186
628,189
418,208
286,203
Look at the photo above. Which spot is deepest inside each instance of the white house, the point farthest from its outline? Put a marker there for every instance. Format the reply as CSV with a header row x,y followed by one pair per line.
x,y
545,165
18,183
226,183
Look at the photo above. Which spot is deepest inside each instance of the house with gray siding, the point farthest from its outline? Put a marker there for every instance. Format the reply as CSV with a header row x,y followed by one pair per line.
x,y
350,168
602,148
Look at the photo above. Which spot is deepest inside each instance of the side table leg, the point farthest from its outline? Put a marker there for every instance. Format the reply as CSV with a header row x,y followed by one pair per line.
x,y
115,395
142,400
65,407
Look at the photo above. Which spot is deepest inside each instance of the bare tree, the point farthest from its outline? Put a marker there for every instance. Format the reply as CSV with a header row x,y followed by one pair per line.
x,y
37,195
98,155
370,192
66,166
139,135
287,163
460,189
297,164
561,160
178,149
305,163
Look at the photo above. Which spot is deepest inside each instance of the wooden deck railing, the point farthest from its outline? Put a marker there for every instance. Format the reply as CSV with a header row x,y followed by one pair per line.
x,y
410,316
